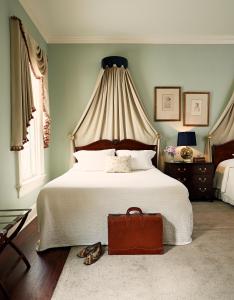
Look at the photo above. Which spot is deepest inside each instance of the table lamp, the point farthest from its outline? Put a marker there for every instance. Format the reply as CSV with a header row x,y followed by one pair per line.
x,y
187,138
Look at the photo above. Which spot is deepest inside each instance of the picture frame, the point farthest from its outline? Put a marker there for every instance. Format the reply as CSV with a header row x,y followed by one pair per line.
x,y
167,103
196,109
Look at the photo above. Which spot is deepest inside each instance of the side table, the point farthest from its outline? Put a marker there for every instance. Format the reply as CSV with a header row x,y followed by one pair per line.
x,y
197,177
8,219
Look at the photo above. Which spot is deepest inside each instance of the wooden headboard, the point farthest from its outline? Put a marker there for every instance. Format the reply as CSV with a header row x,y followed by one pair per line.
x,y
126,144
222,152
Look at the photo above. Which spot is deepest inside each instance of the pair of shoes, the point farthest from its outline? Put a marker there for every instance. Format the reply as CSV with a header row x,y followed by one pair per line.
x,y
91,253
84,252
94,255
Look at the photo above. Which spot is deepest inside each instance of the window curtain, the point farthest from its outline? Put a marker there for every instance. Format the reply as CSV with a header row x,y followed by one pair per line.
x,y
223,130
25,51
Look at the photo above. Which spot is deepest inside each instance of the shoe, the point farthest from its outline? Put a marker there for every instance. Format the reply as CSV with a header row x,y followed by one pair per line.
x,y
93,256
87,250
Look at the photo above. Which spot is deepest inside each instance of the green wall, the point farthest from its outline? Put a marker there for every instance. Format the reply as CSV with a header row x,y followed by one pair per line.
x,y
8,195
74,70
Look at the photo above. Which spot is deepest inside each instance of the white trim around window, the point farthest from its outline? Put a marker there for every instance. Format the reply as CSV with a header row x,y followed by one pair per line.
x,y
30,185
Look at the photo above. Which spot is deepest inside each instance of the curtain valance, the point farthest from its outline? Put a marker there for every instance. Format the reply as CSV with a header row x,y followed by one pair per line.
x,y
25,52
223,130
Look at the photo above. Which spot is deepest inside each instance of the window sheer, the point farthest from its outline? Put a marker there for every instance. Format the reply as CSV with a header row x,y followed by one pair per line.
x,y
31,159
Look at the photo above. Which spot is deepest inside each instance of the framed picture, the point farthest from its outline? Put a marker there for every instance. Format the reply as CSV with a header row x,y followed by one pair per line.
x,y
167,104
196,108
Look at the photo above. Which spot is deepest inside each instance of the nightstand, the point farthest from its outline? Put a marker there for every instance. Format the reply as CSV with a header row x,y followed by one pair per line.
x,y
197,177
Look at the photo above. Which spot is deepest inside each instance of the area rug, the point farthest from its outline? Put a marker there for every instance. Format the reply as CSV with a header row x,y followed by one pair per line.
x,y
202,270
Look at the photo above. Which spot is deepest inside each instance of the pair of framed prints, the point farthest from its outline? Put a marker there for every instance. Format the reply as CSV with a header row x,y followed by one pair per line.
x,y
196,106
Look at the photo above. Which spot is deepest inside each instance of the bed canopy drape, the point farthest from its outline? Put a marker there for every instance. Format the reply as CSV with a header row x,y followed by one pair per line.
x,y
114,110
25,52
223,130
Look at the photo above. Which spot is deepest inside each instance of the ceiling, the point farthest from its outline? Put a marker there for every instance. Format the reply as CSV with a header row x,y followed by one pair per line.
x,y
133,21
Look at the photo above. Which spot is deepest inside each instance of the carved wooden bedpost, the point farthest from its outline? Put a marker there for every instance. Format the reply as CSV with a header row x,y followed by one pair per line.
x,y
158,149
209,150
72,148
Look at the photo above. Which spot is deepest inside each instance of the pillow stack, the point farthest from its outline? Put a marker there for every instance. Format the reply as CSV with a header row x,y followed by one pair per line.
x,y
105,160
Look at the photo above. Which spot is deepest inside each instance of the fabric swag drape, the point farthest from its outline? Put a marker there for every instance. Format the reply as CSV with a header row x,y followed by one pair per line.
x,y
114,111
223,130
25,52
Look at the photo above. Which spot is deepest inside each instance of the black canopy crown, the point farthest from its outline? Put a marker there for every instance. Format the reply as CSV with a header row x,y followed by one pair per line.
x,y
119,61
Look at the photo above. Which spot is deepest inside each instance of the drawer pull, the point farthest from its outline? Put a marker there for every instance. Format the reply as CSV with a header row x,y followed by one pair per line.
x,y
202,179
182,179
203,170
181,169
203,190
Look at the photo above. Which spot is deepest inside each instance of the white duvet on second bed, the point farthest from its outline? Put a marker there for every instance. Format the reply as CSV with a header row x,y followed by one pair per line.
x,y
73,208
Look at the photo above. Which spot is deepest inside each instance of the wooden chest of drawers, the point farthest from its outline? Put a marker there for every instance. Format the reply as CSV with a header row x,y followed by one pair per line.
x,y
197,177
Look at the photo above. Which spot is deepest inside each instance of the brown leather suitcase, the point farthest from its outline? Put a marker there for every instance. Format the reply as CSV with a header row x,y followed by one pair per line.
x,y
135,233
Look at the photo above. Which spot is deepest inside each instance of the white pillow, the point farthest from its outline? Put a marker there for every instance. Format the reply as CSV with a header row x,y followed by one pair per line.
x,y
118,164
92,160
140,159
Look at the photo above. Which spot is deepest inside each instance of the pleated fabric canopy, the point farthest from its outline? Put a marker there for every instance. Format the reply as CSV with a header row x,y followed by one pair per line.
x,y
114,110
223,130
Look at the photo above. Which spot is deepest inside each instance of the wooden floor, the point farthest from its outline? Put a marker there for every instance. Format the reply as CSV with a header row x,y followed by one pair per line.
x,y
39,282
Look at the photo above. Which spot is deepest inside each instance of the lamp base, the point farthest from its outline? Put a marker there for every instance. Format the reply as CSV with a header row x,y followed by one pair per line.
x,y
186,153
187,160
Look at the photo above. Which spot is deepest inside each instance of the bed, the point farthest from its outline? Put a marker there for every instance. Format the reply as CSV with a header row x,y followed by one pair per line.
x,y
223,159
73,208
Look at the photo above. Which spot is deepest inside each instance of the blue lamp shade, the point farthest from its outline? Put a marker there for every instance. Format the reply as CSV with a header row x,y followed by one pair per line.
x,y
187,138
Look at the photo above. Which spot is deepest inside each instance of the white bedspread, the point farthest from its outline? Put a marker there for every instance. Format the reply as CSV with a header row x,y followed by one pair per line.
x,y
224,181
73,208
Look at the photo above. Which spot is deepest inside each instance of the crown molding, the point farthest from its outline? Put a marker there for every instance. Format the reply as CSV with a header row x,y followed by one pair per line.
x,y
163,40
150,39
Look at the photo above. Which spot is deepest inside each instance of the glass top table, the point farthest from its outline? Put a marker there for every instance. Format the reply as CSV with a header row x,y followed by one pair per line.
x,y
12,219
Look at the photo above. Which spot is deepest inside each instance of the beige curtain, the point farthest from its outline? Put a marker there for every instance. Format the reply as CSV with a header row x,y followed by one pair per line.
x,y
22,105
114,112
25,50
223,130
39,63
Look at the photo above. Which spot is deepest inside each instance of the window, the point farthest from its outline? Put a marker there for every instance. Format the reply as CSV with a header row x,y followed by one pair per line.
x,y
30,160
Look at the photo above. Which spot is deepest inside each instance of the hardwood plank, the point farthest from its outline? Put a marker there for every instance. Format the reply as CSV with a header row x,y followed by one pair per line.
x,y
39,282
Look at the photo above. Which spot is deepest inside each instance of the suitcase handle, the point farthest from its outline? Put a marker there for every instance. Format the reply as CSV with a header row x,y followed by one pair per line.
x,y
135,209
